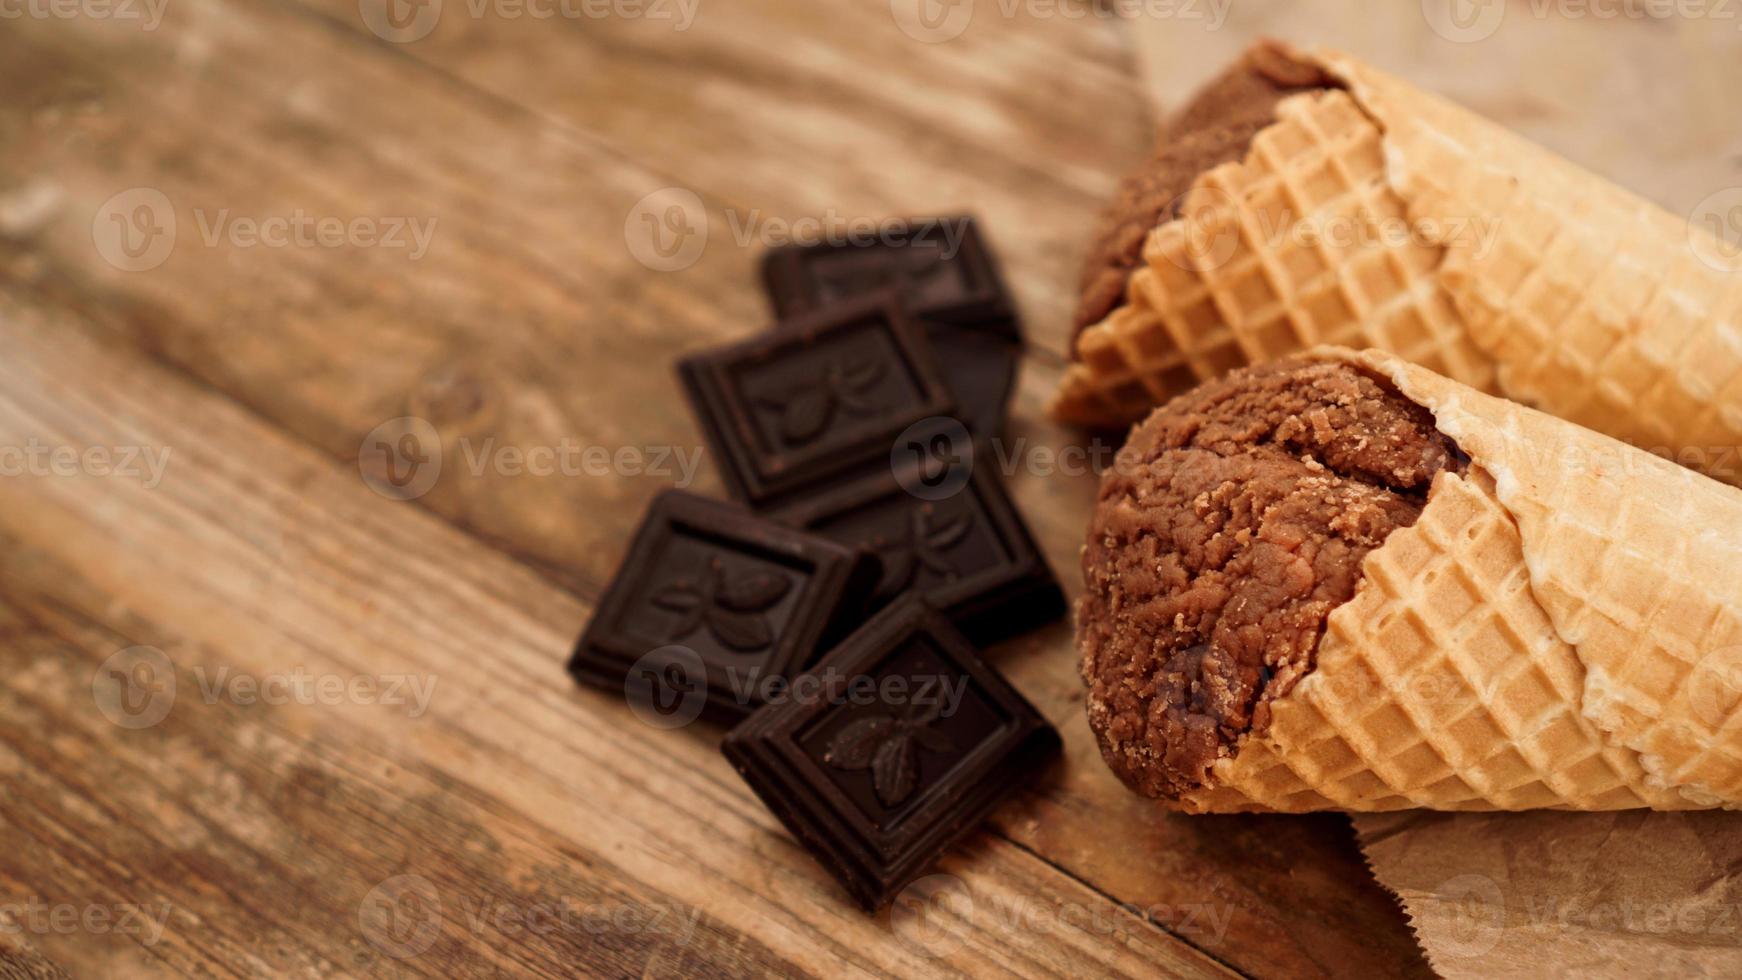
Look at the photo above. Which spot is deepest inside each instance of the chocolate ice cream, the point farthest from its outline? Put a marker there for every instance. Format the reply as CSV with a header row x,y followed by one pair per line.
x,y
1235,522
1215,127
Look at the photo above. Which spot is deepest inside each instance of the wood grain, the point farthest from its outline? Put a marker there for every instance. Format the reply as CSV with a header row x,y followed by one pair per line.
x,y
781,111
264,829
529,323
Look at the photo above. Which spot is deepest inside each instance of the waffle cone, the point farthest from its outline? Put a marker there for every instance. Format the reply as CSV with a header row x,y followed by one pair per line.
x,y
1562,627
1382,216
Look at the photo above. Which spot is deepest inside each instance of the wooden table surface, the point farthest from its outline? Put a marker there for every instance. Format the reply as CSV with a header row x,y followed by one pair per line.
x,y
369,759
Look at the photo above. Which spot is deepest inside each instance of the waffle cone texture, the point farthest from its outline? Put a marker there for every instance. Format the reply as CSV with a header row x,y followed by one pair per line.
x,y
1377,215
1561,628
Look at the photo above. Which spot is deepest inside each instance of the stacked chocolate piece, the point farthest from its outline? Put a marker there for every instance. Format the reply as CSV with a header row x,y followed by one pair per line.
x,y
839,607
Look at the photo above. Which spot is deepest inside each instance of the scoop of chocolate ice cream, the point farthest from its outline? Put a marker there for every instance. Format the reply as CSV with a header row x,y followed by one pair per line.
x,y
1215,127
1235,521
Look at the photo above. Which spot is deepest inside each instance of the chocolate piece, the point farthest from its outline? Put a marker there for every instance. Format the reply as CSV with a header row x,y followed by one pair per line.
x,y
896,744
978,349
1235,523
818,400
938,263
751,599
952,288
968,551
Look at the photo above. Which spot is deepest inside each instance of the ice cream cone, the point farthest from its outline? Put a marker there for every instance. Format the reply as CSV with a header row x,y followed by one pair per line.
x,y
1562,627
1379,215
1239,277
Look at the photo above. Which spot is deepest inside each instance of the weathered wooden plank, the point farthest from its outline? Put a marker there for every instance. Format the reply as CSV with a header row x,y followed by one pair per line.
x,y
21,961
858,110
511,333
268,828
528,324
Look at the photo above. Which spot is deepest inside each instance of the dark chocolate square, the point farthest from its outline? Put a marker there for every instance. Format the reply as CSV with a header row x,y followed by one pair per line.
x,y
978,351
789,410
933,262
709,587
891,748
952,289
958,541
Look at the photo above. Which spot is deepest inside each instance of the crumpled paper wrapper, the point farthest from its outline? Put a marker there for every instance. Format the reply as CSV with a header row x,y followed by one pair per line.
x,y
1528,895
1547,894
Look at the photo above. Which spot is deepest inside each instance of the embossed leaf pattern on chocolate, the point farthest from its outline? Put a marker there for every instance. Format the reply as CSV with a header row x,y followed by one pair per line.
x,y
854,746
733,607
804,414
753,591
740,631
895,770
925,545
888,746
806,409
850,383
